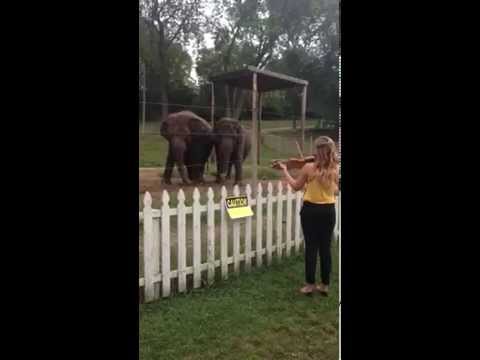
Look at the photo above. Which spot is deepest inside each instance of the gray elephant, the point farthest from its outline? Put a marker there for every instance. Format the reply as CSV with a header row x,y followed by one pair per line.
x,y
232,146
190,141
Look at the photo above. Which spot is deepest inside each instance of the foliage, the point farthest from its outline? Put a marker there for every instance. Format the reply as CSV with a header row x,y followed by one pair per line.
x,y
298,38
166,28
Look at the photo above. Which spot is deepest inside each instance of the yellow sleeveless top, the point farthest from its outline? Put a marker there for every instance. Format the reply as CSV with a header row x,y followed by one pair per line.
x,y
315,193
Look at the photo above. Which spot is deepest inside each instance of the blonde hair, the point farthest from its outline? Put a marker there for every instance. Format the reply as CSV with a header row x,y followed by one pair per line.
x,y
326,163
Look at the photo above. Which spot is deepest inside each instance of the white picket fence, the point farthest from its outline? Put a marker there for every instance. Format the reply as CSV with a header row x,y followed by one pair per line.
x,y
157,239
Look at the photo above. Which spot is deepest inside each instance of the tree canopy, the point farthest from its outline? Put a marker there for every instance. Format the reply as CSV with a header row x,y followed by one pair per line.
x,y
298,38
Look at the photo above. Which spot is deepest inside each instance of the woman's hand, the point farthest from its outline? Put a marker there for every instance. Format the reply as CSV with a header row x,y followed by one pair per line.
x,y
282,166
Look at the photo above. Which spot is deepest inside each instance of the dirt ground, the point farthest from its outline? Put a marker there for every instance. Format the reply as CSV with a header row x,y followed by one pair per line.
x,y
150,179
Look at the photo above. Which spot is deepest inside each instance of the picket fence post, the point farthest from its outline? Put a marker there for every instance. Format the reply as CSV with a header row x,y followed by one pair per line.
x,y
288,236
236,238
197,256
298,205
279,220
210,237
156,253
269,222
248,233
148,248
259,210
165,244
181,242
223,235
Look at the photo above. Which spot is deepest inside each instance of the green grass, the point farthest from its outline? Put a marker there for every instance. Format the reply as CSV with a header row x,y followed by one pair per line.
x,y
259,315
153,150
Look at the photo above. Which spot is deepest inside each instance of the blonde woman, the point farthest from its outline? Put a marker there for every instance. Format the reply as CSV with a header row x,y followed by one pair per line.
x,y
320,178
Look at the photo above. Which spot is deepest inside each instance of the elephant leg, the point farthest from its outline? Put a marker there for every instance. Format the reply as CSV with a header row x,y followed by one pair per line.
x,y
167,175
180,155
194,162
183,173
229,171
190,164
206,150
238,155
224,151
238,171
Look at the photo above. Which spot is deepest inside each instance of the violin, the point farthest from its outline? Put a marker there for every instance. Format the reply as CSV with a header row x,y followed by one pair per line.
x,y
293,163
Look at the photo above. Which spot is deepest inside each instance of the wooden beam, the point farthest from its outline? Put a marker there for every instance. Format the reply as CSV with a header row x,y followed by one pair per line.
x,y
275,81
278,76
304,110
254,134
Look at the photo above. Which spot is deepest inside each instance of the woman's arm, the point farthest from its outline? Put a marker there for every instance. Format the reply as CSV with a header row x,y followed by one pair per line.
x,y
299,182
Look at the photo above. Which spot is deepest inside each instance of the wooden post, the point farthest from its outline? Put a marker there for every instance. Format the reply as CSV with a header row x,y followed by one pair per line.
x,y
304,110
236,238
279,231
297,230
181,242
148,247
248,233
254,132
259,134
223,235
258,240
269,222
165,244
197,271
210,237
212,119
288,230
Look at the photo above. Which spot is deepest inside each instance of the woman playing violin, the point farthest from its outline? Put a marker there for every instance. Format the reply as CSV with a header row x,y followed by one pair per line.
x,y
321,180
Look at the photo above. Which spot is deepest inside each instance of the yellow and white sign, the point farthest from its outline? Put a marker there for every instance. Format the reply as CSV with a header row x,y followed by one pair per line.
x,y
238,207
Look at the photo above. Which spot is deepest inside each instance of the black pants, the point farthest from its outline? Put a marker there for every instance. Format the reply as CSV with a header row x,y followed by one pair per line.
x,y
318,222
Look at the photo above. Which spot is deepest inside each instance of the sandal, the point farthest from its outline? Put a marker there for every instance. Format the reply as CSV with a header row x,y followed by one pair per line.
x,y
321,290
307,290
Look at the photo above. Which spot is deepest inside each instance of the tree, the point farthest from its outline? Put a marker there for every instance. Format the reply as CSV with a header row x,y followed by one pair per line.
x,y
165,26
310,50
299,38
249,34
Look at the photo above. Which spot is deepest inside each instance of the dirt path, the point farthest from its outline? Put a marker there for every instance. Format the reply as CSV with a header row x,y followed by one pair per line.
x,y
150,179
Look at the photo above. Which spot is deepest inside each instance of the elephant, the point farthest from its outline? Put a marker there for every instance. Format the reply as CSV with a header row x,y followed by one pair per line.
x,y
232,146
190,142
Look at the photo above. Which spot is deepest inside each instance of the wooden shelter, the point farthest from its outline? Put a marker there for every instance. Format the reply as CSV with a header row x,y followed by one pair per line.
x,y
260,81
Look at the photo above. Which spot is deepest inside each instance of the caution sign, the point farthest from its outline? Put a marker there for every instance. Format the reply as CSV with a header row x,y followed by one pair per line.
x,y
238,207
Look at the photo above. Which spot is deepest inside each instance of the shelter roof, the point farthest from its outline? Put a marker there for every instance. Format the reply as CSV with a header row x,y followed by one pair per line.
x,y
266,80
